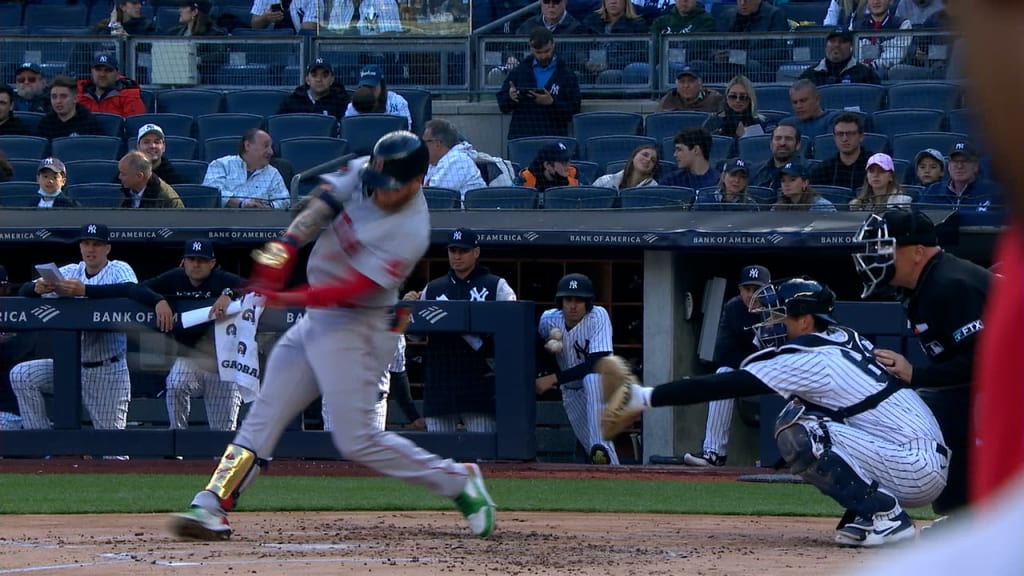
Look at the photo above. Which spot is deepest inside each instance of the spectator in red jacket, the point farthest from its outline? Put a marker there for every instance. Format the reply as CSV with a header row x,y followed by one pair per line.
x,y
108,91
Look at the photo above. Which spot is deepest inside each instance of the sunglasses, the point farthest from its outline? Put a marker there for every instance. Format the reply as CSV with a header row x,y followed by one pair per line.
x,y
735,96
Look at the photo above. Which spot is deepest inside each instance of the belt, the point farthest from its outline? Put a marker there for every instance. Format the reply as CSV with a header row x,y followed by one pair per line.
x,y
97,364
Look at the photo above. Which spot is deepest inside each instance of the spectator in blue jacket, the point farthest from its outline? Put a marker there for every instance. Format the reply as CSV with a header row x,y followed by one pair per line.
x,y
541,93
692,154
964,186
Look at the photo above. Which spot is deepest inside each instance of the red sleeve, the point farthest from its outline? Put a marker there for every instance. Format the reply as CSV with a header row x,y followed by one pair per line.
x,y
342,294
133,105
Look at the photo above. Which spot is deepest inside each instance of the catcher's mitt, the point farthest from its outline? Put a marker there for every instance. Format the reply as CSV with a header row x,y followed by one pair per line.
x,y
616,382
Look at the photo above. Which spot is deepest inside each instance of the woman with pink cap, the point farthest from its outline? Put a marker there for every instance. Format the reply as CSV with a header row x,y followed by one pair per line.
x,y
881,190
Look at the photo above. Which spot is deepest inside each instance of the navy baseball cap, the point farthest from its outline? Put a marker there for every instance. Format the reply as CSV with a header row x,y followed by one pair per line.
x,y
963,149
94,232
463,238
554,152
687,71
910,228
794,169
198,248
735,165
755,276
843,33
369,76
321,64
105,60
52,164
29,66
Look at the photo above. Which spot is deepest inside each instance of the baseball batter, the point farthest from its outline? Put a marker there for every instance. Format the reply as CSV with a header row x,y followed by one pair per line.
x,y
850,429
371,226
579,334
106,387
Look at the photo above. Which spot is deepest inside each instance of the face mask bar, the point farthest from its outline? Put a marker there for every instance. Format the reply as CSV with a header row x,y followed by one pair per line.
x,y
875,265
771,330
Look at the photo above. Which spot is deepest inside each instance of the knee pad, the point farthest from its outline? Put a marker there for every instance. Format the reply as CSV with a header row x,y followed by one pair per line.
x,y
237,468
797,448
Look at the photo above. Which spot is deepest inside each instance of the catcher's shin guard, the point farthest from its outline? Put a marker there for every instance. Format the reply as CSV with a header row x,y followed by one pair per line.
x,y
238,467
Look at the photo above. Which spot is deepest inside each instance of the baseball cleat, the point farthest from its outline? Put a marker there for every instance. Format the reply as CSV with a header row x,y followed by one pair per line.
x,y
198,523
704,459
865,533
617,385
475,503
599,455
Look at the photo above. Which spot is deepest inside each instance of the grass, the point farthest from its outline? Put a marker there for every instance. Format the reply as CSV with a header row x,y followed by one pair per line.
x,y
139,493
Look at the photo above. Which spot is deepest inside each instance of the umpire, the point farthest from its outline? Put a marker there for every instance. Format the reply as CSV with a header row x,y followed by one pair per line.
x,y
944,297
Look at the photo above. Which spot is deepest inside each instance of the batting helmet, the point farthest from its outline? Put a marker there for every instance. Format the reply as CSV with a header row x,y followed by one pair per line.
x,y
577,285
794,297
398,158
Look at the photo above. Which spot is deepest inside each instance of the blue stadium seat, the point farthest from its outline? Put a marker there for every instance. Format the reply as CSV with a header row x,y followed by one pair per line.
x,y
258,101
191,171
866,97
54,16
283,127
19,194
805,11
936,95
657,197
522,151
171,124
906,146
86,147
605,149
305,153
636,73
24,146
166,17
587,125
112,124
913,191
91,171
148,100
421,106
198,196
219,147
10,14
774,116
721,148
269,32
363,131
825,145
901,168
586,172
906,120
501,198
579,197
189,102
7,31
757,149
960,121
773,97
836,194
179,147
661,125
246,74
60,31
223,124
764,196
96,195
441,198
25,169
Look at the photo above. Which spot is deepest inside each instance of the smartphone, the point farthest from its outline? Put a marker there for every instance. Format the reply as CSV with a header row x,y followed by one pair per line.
x,y
276,8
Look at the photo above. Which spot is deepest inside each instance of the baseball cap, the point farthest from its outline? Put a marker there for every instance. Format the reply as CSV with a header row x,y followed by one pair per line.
x,y
794,169
846,35
963,149
687,71
319,63
147,129
910,227
52,164
930,153
463,238
29,66
129,1
735,165
883,161
94,232
755,276
554,152
201,5
369,76
198,248
107,60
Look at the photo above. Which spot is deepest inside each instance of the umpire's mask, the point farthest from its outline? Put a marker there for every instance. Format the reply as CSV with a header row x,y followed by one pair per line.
x,y
875,264
770,332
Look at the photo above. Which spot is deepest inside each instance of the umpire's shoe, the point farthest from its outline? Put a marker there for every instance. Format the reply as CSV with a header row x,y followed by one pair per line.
x,y
704,459
198,523
475,503
877,531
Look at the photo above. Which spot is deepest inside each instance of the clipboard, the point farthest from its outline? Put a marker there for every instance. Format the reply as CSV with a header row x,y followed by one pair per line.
x,y
49,273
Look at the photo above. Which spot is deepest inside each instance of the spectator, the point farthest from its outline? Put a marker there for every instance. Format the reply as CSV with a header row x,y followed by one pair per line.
x,y
321,94
549,168
109,91
541,93
141,188
450,165
795,192
964,186
692,154
30,89
881,191
640,170
459,378
917,12
126,19
150,142
759,57
785,147
614,17
106,388
66,117
808,115
51,177
14,348
842,13
731,193
929,167
6,170
739,116
194,20
552,18
848,168
690,94
10,125
839,66
247,180
685,17
929,57
882,52
387,102
301,15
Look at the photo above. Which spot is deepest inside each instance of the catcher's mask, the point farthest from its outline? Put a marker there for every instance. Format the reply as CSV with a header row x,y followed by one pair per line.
x,y
794,297
875,265
398,158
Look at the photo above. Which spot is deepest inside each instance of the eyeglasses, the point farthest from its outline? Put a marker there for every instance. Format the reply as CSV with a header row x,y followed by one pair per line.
x,y
737,96
846,134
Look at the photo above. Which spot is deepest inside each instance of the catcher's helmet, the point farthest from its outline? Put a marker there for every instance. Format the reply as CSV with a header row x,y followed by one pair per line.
x,y
397,158
577,285
880,235
794,297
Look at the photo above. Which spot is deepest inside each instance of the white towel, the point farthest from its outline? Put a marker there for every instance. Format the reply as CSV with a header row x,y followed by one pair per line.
x,y
238,355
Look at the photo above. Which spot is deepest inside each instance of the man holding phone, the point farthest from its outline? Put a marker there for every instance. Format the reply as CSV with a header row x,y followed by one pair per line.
x,y
281,14
542,92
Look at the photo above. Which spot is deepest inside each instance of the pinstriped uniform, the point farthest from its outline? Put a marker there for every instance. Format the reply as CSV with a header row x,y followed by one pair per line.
x,y
384,385
106,387
188,378
894,444
582,398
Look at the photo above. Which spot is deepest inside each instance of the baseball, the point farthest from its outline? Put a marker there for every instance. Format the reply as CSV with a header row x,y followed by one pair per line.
x,y
553,346
555,334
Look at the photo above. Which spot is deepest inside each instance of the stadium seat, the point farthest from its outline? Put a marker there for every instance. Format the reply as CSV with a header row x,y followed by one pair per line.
x,y
587,125
501,198
906,146
421,106
179,147
906,120
283,127
757,149
665,167
91,171
60,31
25,169
657,197
96,195
112,124
579,197
836,194
773,116
605,149
764,196
522,151
441,198
773,96
934,95
661,125
913,191
24,146
54,16
86,147
10,14
805,11
960,121
616,166
24,194
636,73
171,124
148,100
825,145
864,97
221,125
260,102
586,171
901,167
191,171
247,74
166,17
198,196
189,102
305,153
219,147
363,131
31,119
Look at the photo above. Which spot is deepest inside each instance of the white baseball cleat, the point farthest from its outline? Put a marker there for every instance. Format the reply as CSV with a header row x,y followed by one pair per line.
x,y
198,523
